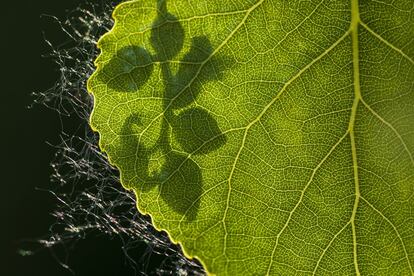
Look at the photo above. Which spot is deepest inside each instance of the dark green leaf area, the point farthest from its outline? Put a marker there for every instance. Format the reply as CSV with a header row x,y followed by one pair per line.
x,y
167,34
177,176
197,131
128,70
181,184
196,68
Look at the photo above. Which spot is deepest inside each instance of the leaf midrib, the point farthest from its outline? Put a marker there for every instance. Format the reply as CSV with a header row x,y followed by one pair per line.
x,y
357,92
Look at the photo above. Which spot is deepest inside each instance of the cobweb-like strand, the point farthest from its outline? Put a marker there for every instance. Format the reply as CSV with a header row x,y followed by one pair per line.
x,y
91,200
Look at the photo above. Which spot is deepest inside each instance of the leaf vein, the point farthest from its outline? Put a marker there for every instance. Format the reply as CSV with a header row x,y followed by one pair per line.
x,y
399,136
395,229
386,42
302,195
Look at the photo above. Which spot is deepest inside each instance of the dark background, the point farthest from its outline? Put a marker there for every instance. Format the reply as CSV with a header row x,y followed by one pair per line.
x,y
25,210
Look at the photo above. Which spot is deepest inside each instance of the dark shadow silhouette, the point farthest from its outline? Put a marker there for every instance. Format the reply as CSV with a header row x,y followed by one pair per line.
x,y
197,132
177,175
128,70
181,184
192,73
133,157
167,34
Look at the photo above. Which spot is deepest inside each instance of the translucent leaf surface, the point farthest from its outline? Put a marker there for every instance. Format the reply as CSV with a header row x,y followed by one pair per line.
x,y
266,137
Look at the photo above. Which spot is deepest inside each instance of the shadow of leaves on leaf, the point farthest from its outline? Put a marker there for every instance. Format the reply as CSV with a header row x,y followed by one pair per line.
x,y
174,171
197,132
167,34
128,69
178,176
193,72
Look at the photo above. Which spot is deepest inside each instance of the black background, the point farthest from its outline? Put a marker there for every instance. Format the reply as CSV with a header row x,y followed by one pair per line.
x,y
25,211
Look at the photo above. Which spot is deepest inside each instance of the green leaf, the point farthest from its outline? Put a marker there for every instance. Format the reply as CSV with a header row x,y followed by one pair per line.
x,y
266,137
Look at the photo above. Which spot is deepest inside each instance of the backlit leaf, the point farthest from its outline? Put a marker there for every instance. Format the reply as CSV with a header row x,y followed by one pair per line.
x,y
266,137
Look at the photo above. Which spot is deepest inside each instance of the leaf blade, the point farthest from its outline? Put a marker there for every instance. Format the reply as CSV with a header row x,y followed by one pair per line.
x,y
297,118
